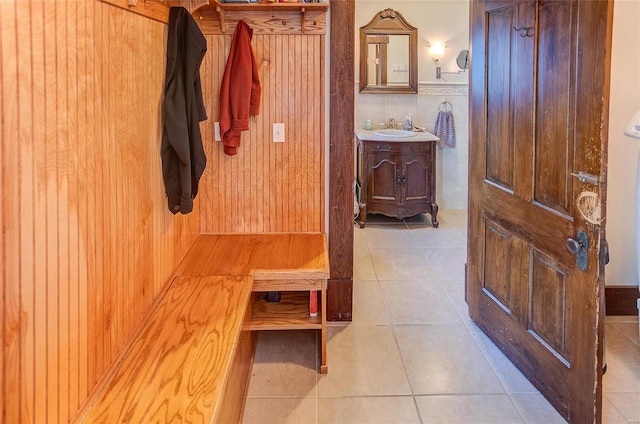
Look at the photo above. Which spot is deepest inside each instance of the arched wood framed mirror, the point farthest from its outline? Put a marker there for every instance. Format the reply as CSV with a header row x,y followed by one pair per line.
x,y
388,55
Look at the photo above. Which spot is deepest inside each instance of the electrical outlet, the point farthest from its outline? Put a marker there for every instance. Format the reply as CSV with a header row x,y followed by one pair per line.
x,y
216,135
278,132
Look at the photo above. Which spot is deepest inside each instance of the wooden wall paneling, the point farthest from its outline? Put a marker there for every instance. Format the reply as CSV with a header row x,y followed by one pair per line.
x,y
207,128
156,10
3,219
103,317
46,207
257,201
113,139
268,187
280,102
24,108
11,231
285,101
58,224
341,160
87,242
25,204
270,81
96,302
69,218
131,149
317,147
3,276
275,106
78,388
96,242
78,214
304,98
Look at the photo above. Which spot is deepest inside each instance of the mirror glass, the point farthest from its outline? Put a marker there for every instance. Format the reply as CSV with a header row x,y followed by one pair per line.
x,y
388,60
388,55
463,59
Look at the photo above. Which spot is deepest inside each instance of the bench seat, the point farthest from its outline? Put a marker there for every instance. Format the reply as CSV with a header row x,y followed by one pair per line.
x,y
178,366
192,357
293,263
272,256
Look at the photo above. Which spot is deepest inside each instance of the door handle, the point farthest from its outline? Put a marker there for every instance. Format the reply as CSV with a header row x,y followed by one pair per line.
x,y
580,248
574,246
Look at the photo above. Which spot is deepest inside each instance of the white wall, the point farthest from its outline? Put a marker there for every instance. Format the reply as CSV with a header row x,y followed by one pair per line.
x,y
437,21
623,151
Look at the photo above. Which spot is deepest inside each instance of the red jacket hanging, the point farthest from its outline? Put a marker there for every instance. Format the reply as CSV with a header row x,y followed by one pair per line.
x,y
240,90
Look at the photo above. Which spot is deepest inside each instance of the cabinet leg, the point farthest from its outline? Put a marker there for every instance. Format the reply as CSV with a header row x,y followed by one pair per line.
x,y
362,217
434,215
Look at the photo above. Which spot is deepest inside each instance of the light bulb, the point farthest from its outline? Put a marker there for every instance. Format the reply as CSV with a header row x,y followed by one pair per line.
x,y
436,50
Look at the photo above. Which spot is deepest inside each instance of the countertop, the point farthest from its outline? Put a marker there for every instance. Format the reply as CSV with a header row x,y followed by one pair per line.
x,y
420,136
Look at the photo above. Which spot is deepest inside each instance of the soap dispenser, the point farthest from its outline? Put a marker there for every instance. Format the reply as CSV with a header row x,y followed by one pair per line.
x,y
408,123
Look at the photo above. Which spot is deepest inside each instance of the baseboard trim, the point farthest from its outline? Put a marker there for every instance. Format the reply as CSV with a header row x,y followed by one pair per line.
x,y
621,300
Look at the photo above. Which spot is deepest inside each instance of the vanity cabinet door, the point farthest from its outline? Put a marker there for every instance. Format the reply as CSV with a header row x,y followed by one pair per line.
x,y
384,178
416,179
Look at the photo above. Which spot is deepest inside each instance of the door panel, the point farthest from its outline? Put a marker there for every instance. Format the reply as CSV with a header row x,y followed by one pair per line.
x,y
555,100
500,154
385,171
548,304
537,115
502,282
417,174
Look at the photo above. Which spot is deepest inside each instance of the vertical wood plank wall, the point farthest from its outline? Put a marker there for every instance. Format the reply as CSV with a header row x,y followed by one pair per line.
x,y
87,241
267,186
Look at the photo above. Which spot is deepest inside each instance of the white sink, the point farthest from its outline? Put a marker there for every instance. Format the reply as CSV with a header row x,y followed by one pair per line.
x,y
395,133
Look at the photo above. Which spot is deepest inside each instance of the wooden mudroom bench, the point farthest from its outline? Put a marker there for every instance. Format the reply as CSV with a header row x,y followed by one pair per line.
x,y
191,359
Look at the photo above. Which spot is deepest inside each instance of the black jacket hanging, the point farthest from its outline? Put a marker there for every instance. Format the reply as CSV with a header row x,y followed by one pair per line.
x,y
183,158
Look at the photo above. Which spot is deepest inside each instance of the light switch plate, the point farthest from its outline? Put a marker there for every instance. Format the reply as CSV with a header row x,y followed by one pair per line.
x,y
216,135
278,132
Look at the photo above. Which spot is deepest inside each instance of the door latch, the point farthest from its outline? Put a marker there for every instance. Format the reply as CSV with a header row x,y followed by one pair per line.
x,y
580,248
587,178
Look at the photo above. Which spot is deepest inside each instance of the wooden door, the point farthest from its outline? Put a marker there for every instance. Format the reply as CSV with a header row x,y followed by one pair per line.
x,y
539,96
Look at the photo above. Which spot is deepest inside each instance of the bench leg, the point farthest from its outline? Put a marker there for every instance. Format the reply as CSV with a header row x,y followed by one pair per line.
x,y
322,346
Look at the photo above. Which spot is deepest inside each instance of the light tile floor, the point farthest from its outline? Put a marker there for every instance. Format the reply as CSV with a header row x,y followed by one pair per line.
x,y
411,354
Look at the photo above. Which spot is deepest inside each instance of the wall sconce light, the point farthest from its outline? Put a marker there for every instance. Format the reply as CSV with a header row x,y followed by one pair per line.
x,y
436,50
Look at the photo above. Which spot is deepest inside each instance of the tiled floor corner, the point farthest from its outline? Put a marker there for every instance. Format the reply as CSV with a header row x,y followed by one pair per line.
x,y
411,354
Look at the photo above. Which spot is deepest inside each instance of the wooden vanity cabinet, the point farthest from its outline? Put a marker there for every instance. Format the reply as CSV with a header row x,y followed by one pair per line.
x,y
397,178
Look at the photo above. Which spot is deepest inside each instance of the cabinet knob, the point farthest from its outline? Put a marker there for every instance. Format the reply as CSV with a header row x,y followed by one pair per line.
x,y
383,149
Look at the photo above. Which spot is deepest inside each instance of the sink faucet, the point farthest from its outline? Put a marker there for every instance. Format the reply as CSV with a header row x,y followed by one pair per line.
x,y
391,124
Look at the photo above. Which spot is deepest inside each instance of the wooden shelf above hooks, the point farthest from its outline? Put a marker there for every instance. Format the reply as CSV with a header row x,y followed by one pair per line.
x,y
223,8
159,10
